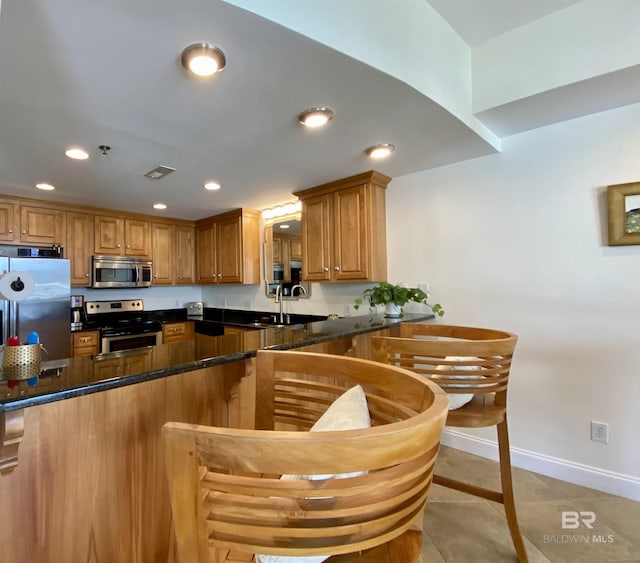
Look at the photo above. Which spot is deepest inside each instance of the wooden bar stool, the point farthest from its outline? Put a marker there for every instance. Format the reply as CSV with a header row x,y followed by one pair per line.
x,y
470,364
298,486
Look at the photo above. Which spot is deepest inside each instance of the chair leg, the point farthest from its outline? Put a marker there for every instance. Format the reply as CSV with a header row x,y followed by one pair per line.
x,y
507,491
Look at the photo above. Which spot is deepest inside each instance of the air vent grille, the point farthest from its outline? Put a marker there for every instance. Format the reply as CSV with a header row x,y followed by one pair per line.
x,y
159,172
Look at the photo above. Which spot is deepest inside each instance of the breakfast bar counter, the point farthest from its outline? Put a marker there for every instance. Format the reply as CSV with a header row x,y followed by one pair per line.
x,y
81,460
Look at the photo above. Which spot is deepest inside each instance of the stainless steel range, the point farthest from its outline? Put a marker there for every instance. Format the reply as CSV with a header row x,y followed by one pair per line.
x,y
122,325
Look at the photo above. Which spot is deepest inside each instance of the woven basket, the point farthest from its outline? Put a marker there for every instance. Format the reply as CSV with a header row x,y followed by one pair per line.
x,y
21,362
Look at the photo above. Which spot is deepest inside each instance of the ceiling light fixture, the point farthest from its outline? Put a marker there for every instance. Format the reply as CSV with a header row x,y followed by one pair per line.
x,y
316,117
380,151
159,172
203,59
45,187
159,205
212,186
77,153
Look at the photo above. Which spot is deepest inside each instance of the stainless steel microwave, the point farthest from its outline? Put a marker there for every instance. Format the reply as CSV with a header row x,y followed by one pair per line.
x,y
109,272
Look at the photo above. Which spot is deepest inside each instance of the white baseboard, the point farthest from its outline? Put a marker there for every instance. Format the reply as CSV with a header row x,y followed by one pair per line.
x,y
565,470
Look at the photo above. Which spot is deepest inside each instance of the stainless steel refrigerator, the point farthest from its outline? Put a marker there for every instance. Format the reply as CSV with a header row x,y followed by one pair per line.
x,y
46,311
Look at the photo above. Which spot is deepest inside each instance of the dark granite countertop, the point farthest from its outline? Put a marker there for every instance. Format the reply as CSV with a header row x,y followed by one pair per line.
x,y
64,379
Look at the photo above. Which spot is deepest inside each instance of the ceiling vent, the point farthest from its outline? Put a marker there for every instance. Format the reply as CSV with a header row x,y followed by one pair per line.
x,y
159,172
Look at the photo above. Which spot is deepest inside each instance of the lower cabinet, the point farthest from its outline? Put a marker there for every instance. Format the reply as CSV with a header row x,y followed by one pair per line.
x,y
85,343
127,364
177,332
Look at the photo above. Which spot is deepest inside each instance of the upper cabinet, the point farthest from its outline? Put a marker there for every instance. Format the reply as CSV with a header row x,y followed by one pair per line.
x,y
79,246
122,237
8,217
32,224
344,229
228,248
40,225
173,254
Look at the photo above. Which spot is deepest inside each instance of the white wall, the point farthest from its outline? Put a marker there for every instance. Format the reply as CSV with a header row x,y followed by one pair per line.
x,y
517,241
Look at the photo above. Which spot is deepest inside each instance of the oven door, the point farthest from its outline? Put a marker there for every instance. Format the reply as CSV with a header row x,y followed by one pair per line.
x,y
130,341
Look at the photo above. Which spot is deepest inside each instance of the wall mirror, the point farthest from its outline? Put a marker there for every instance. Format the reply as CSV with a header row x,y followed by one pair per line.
x,y
624,214
283,253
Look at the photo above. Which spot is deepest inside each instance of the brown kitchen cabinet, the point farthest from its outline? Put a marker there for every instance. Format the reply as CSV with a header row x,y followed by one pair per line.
x,y
31,224
85,343
162,255
178,332
129,363
285,249
228,248
185,249
122,237
9,230
343,229
79,247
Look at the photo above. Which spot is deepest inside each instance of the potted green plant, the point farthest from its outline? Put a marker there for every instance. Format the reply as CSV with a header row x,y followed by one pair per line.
x,y
394,298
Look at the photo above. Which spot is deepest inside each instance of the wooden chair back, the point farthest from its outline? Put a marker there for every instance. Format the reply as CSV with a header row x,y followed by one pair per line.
x,y
446,354
224,483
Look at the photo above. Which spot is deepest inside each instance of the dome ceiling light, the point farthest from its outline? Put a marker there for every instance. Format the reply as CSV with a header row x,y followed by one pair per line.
x,y
45,187
203,59
316,117
212,186
382,150
76,153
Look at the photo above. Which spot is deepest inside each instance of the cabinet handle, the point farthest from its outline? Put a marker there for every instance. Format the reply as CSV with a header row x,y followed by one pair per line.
x,y
337,268
24,232
128,246
155,276
325,269
219,276
10,231
86,275
118,246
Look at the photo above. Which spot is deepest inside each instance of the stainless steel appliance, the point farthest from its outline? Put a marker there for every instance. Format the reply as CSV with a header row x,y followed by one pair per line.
x,y
46,310
108,272
122,325
77,312
195,309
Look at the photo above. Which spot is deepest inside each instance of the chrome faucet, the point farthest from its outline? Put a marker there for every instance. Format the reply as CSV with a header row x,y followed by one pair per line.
x,y
303,291
280,301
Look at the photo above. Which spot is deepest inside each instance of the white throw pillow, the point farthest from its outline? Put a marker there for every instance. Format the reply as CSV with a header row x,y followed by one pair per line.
x,y
457,400
347,412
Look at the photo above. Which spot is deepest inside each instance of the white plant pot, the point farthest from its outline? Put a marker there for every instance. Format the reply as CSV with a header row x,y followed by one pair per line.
x,y
392,310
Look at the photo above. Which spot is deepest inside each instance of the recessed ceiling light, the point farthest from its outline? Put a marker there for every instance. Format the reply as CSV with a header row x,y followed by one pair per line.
x,y
315,117
159,205
380,151
284,226
203,59
212,186
77,153
45,187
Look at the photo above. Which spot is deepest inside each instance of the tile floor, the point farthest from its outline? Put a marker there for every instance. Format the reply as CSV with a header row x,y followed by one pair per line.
x,y
461,528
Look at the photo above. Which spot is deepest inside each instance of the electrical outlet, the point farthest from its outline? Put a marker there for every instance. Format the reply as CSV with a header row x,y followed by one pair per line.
x,y
600,432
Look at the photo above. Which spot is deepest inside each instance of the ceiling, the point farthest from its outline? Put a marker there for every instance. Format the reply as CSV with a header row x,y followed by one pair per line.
x,y
108,73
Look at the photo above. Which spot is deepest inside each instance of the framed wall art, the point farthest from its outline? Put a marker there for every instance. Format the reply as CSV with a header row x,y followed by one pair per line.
x,y
624,214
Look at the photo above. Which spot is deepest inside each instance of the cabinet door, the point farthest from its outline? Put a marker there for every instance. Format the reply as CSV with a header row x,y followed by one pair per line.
x,y
162,253
109,235
351,225
316,239
277,248
185,255
295,245
39,225
229,250
80,247
8,216
85,343
137,363
137,238
206,239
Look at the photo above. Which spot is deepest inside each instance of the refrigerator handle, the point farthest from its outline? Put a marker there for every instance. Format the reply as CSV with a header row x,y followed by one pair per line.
x,y
13,319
